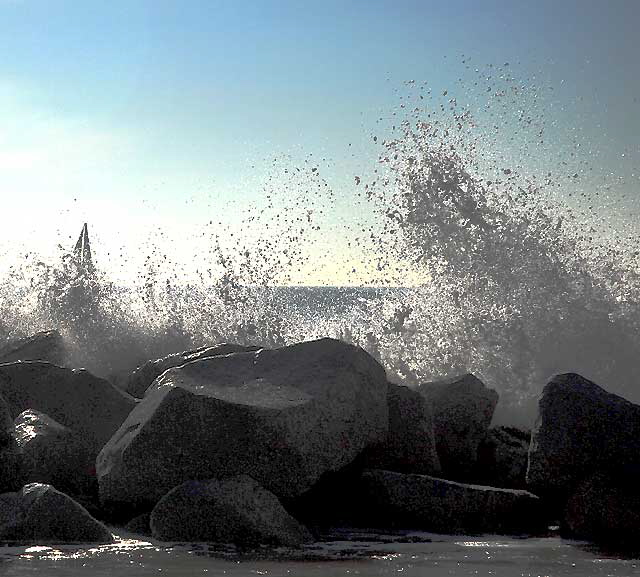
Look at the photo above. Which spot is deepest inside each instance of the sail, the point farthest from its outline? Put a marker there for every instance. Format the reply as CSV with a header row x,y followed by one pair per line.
x,y
82,250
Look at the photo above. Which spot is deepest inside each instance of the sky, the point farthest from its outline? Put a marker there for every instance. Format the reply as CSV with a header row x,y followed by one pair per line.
x,y
160,122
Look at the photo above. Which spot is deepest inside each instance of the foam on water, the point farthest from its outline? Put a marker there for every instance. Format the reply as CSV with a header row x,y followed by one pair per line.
x,y
486,230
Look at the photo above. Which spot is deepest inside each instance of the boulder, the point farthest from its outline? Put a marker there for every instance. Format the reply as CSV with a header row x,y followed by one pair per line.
x,y
503,458
409,446
40,513
143,376
53,454
581,429
90,406
282,416
140,525
605,508
11,478
462,410
43,346
431,504
232,510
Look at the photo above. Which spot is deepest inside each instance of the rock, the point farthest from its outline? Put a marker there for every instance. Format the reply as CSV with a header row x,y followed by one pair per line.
x,y
581,429
462,408
143,376
41,513
140,525
431,504
605,508
11,474
90,406
232,510
53,454
503,458
43,346
409,446
282,416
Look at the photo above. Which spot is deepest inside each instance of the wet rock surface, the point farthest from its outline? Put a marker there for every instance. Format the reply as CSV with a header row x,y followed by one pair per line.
x,y
43,346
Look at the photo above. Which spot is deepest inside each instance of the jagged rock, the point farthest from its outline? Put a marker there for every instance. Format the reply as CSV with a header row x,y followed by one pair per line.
x,y
90,406
409,446
143,376
43,346
40,513
462,409
232,510
282,416
11,475
140,525
581,429
53,454
431,504
503,458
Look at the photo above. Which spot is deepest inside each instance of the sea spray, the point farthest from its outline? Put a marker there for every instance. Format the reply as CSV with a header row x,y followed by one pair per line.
x,y
481,230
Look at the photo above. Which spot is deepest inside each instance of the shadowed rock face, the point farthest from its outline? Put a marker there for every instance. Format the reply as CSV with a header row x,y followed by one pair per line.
x,y
143,376
431,504
43,346
41,513
233,510
282,416
409,446
605,508
92,407
581,429
11,477
462,410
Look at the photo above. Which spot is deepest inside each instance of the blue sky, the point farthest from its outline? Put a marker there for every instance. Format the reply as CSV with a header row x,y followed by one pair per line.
x,y
138,115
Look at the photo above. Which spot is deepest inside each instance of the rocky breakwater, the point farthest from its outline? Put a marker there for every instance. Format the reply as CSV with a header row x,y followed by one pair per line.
x,y
284,417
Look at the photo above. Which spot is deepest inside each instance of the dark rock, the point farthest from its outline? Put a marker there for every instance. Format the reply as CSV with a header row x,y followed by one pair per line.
x,y
11,474
462,409
44,346
90,406
409,446
605,508
41,513
140,525
233,510
282,416
581,429
427,503
503,458
143,376
53,454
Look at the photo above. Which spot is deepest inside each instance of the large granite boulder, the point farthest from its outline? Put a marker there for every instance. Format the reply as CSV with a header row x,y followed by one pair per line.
x,y
41,513
605,508
232,510
53,454
143,376
90,406
503,458
43,346
431,504
282,416
462,408
409,446
581,429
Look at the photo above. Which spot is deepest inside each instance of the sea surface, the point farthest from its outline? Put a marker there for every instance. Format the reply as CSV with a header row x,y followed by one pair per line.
x,y
411,554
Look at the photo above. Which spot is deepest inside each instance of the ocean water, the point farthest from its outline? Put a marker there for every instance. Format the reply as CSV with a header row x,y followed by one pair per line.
x,y
433,555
